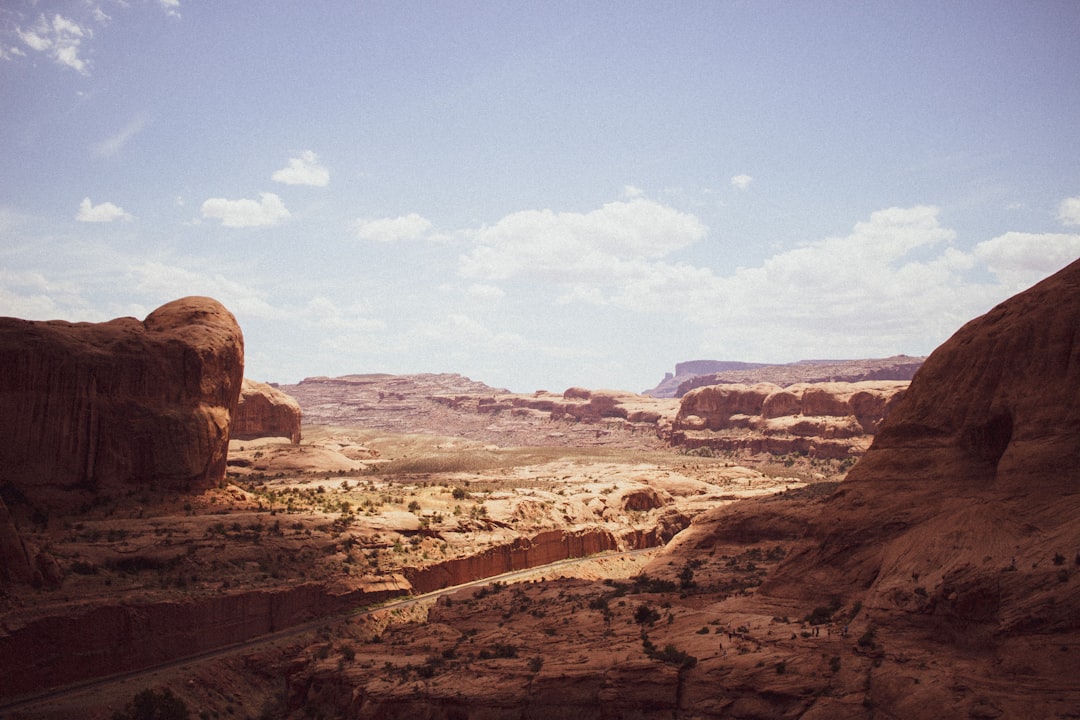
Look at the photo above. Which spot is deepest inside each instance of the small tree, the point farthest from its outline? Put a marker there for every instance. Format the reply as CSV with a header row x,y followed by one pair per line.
x,y
150,705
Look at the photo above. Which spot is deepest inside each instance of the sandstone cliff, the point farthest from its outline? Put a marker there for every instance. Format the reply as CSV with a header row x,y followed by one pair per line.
x,y
821,419
969,491
88,407
265,411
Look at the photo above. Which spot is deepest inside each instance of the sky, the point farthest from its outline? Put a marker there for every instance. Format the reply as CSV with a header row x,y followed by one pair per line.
x,y
539,195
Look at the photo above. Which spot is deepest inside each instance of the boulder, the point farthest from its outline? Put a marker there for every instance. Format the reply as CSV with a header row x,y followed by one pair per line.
x,y
265,411
92,406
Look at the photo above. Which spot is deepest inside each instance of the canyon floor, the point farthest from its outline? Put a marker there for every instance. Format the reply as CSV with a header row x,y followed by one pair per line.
x,y
366,514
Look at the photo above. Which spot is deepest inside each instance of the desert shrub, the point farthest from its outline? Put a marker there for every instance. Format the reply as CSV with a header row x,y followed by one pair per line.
x,y
459,493
150,705
671,655
645,615
823,613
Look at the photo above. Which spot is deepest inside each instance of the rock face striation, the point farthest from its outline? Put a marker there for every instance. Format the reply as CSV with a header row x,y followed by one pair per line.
x,y
265,411
92,406
822,419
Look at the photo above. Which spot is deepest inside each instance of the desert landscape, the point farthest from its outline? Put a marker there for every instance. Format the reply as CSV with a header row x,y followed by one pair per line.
x,y
763,546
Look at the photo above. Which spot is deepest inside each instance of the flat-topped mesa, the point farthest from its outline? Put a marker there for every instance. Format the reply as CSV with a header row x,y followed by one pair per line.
x,y
91,406
265,411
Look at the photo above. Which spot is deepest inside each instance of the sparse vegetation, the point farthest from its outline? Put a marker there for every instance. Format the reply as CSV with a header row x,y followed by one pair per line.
x,y
152,705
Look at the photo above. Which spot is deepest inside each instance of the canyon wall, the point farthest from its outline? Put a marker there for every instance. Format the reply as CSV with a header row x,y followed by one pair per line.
x,y
93,406
107,639
961,518
265,411
521,554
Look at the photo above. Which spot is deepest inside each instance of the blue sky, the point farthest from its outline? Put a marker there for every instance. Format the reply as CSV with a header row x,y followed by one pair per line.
x,y
539,195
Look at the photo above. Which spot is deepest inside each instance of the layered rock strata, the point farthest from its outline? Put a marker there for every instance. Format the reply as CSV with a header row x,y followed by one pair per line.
x,y
829,420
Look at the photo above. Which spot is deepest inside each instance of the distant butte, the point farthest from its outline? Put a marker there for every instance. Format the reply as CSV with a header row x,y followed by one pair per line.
x,y
700,373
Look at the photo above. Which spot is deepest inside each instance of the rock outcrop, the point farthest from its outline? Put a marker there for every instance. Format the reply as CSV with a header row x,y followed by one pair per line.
x,y
88,407
822,419
961,518
265,411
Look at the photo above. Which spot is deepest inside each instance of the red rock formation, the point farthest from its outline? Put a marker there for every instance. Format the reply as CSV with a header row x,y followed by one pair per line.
x,y
265,411
716,405
523,553
961,518
90,406
825,420
57,649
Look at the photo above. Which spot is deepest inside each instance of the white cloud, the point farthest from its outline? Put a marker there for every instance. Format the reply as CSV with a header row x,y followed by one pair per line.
x,y
1069,211
894,284
578,246
268,210
303,170
459,330
171,7
1021,259
406,227
113,145
10,52
101,213
168,280
741,182
59,38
